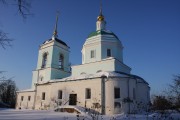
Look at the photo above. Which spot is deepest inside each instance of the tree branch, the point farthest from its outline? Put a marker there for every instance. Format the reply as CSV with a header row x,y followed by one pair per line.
x,y
4,40
24,8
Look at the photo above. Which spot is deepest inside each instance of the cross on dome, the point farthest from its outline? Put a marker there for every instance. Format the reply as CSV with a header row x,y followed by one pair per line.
x,y
100,17
55,28
101,23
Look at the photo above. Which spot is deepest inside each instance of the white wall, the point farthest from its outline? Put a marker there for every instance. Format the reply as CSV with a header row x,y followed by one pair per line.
x,y
100,44
109,64
25,104
78,87
71,87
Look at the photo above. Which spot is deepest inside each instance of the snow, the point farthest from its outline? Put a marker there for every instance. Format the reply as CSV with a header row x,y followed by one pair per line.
x,y
88,76
80,109
26,90
12,114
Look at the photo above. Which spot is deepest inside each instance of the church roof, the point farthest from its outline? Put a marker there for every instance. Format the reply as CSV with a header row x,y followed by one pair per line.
x,y
98,75
27,90
58,40
102,32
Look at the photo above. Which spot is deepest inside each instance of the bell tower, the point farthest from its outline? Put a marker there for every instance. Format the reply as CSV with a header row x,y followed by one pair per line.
x,y
53,60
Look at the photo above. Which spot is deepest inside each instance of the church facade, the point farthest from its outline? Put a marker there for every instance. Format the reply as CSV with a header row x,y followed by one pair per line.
x,y
102,82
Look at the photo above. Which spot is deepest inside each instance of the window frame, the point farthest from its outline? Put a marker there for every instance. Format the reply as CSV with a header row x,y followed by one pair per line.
x,y
44,60
41,78
88,93
43,97
108,53
22,98
117,93
92,54
60,94
29,98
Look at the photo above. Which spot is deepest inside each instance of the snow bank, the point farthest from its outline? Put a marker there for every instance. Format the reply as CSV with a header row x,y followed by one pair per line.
x,y
11,114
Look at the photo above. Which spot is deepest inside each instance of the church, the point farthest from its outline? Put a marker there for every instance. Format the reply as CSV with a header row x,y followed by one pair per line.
x,y
103,82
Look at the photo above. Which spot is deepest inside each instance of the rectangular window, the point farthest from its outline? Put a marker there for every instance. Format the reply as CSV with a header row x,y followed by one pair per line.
x,y
29,98
92,53
43,96
22,97
60,94
88,93
134,93
116,93
108,52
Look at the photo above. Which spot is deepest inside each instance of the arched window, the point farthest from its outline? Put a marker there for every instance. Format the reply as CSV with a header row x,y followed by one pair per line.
x,y
44,60
61,61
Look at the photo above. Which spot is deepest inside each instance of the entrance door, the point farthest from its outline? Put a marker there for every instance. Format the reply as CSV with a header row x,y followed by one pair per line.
x,y
72,99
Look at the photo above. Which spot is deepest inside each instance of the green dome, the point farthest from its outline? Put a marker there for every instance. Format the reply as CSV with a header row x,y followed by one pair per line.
x,y
102,32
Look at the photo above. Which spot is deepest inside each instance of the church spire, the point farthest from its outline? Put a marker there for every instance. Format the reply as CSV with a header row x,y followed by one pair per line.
x,y
55,28
101,23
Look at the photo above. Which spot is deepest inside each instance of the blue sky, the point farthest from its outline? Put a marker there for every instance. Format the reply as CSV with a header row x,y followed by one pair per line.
x,y
148,29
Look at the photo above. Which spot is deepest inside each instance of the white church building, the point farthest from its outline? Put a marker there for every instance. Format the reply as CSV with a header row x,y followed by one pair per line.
x,y
102,82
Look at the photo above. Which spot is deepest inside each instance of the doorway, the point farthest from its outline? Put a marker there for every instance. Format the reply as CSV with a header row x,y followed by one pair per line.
x,y
72,99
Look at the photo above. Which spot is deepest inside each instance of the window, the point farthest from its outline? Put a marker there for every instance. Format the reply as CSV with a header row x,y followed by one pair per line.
x,y
92,54
134,93
44,61
43,96
108,52
41,78
22,97
61,61
88,93
29,98
60,94
117,105
116,93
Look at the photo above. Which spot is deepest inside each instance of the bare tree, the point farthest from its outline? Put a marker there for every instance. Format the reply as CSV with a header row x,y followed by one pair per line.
x,y
174,92
7,91
170,98
23,8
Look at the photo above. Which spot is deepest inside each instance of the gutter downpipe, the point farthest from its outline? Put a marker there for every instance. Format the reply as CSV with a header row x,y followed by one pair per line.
x,y
35,95
103,98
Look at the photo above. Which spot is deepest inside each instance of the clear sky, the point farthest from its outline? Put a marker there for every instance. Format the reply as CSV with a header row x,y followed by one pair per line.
x,y
148,29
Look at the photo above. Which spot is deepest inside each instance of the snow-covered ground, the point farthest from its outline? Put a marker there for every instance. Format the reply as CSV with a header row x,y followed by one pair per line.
x,y
11,114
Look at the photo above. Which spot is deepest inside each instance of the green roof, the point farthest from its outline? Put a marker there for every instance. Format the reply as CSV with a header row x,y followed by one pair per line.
x,y
101,32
